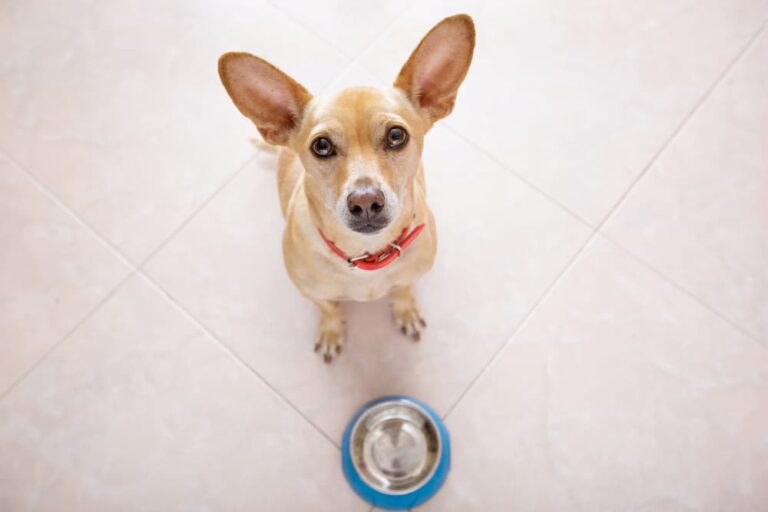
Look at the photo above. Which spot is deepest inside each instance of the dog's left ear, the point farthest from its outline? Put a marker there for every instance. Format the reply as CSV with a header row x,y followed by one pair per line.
x,y
436,68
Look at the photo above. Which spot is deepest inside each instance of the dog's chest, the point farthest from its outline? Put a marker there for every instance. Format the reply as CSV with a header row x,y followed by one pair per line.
x,y
361,285
328,277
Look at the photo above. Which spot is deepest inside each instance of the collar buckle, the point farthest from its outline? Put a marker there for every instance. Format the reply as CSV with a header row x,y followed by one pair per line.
x,y
353,259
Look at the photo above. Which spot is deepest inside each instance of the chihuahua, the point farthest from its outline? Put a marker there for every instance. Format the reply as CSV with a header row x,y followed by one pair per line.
x,y
350,177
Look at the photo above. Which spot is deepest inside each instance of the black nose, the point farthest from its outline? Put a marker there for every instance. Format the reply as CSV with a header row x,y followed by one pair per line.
x,y
366,204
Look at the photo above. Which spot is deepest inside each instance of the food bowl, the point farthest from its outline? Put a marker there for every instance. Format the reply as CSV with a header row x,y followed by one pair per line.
x,y
396,452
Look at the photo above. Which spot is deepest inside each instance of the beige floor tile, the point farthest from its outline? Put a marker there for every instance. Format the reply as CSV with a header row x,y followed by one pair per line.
x,y
501,245
52,273
140,410
578,96
347,25
625,390
700,214
119,110
620,393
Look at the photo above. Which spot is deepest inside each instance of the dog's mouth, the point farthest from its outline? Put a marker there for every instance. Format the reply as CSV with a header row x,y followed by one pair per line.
x,y
367,227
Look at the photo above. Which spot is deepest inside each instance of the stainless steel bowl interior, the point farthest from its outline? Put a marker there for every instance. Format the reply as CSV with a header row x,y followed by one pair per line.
x,y
395,446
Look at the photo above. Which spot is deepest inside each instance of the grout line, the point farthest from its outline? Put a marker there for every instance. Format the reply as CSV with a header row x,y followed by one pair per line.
x,y
137,271
627,193
101,237
597,230
550,289
309,28
384,32
752,40
352,59
199,208
343,56
131,267
681,126
67,335
518,175
684,290
46,191
232,353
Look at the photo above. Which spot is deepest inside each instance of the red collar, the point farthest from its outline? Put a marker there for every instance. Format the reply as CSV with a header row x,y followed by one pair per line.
x,y
382,258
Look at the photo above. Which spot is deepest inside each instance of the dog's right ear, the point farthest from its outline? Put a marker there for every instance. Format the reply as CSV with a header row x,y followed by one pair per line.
x,y
264,94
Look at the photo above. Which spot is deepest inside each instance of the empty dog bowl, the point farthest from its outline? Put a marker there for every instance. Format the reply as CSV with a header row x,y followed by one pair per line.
x,y
396,452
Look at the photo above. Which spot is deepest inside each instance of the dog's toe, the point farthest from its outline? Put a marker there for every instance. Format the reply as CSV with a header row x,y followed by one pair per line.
x,y
329,343
410,322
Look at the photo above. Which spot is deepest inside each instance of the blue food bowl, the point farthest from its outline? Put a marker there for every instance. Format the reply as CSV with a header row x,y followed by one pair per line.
x,y
396,452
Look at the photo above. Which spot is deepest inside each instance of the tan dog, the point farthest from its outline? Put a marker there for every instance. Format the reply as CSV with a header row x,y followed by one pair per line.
x,y
350,176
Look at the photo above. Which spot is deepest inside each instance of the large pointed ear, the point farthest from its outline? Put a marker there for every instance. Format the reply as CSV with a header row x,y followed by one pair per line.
x,y
436,68
264,94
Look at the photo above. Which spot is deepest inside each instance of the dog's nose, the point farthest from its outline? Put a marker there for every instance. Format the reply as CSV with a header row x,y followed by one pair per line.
x,y
367,203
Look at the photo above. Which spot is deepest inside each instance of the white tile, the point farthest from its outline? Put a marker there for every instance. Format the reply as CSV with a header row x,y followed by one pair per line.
x,y
140,410
620,393
355,75
577,97
500,246
347,25
52,273
700,214
118,107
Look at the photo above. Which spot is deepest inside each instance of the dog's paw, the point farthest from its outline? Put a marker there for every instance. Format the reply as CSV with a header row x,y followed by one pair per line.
x,y
409,320
329,342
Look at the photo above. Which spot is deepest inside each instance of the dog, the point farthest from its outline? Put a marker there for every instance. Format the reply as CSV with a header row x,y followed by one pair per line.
x,y
350,177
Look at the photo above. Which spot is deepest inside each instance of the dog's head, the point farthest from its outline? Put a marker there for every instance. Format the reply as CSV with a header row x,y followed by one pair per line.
x,y
361,148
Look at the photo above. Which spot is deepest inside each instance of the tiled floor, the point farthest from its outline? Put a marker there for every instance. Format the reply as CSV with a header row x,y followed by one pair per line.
x,y
598,312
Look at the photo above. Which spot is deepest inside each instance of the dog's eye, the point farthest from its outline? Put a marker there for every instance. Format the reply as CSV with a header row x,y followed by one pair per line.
x,y
322,147
397,137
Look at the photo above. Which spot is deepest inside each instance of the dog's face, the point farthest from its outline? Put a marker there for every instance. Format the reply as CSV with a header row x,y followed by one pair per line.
x,y
361,148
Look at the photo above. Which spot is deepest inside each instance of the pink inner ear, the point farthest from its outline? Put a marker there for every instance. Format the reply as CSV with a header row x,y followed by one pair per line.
x,y
276,102
263,93
433,77
439,64
267,97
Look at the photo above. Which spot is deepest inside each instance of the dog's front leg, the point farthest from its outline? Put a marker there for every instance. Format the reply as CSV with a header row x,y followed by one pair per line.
x,y
330,337
406,312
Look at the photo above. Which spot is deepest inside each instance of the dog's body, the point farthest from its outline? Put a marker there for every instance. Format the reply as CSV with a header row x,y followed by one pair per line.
x,y
350,176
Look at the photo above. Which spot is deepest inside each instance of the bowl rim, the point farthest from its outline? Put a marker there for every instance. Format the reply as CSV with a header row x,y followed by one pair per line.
x,y
398,499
